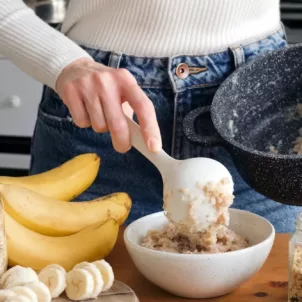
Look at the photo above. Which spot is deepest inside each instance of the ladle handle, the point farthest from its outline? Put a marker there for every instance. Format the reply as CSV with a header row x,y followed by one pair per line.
x,y
161,159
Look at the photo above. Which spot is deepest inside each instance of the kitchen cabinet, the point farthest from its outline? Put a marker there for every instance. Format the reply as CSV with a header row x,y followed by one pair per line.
x,y
20,95
19,98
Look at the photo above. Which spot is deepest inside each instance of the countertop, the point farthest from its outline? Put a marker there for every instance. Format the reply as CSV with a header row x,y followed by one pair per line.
x,y
268,285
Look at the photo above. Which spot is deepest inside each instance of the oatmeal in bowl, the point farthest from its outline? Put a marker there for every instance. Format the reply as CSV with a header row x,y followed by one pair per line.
x,y
172,239
199,265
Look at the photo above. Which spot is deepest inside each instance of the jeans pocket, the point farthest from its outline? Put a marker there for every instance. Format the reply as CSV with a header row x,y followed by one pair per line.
x,y
52,111
54,120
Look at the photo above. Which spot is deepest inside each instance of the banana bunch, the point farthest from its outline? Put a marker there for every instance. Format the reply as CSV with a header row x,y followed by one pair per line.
x,y
30,249
42,229
64,182
86,280
51,217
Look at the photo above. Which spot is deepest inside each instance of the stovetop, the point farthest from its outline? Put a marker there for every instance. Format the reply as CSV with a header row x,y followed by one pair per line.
x,y
291,16
291,10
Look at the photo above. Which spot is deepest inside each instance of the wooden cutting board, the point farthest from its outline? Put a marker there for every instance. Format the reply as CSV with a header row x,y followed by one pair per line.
x,y
119,292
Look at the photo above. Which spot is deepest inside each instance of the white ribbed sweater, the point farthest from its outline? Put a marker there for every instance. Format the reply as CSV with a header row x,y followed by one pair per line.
x,y
136,27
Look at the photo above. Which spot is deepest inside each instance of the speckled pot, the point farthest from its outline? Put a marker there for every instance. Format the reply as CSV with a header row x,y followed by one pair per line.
x,y
254,109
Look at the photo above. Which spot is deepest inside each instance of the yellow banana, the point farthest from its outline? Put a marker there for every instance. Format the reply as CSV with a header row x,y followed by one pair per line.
x,y
52,217
29,249
64,182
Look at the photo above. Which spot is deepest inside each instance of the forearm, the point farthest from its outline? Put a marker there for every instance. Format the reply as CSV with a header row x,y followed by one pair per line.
x,y
31,44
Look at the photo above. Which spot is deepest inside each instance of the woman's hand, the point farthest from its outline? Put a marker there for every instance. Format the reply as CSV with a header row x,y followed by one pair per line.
x,y
94,95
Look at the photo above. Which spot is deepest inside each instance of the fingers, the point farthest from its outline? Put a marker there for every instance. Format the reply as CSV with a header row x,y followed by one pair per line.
x,y
94,107
96,114
76,107
115,117
94,95
128,111
144,110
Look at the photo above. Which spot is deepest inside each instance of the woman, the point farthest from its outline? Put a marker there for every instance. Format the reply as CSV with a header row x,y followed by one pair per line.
x,y
163,58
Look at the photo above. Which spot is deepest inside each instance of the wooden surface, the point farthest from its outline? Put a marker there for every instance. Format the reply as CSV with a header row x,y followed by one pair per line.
x,y
268,285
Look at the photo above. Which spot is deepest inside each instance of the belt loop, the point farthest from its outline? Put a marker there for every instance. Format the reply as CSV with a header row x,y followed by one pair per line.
x,y
171,74
238,54
115,59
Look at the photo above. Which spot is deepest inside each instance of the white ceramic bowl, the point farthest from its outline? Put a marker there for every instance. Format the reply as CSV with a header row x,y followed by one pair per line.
x,y
201,275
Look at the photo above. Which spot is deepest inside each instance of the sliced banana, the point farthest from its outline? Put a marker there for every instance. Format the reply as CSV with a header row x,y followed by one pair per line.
x,y
97,277
80,284
17,276
57,266
54,279
107,273
7,273
3,278
25,291
81,264
18,298
6,293
41,291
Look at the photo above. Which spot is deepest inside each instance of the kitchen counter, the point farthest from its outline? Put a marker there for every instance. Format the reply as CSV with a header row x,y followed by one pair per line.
x,y
269,284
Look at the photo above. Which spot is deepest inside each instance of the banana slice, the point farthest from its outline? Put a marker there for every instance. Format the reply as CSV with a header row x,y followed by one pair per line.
x,y
5,294
3,278
57,266
41,291
18,298
17,276
7,273
54,279
96,274
81,264
80,284
24,291
107,273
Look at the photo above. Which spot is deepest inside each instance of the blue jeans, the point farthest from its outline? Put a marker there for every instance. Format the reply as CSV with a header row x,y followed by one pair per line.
x,y
57,139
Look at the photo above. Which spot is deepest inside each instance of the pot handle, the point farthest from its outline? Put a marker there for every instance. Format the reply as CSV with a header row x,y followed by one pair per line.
x,y
189,129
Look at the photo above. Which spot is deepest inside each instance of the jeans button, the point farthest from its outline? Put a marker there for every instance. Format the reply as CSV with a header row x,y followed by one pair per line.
x,y
182,71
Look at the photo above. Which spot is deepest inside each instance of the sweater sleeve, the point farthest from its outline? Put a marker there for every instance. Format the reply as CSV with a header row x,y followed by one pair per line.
x,y
31,44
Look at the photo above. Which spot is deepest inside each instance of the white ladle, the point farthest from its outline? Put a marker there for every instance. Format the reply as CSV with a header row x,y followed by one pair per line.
x,y
183,180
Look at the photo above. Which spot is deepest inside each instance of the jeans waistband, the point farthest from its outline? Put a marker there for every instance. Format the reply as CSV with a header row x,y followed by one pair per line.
x,y
184,72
